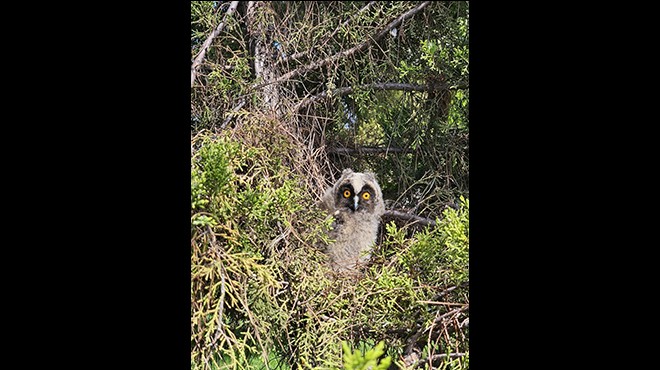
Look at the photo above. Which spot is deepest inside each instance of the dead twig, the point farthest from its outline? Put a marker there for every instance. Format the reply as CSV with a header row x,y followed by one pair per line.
x,y
420,363
367,150
409,218
232,114
345,53
375,86
325,40
413,350
441,294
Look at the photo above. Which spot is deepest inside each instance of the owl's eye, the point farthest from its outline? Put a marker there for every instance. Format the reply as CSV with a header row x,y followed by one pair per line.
x,y
366,195
347,193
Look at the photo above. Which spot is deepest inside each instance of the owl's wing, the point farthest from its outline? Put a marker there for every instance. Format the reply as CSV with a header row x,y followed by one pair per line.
x,y
338,218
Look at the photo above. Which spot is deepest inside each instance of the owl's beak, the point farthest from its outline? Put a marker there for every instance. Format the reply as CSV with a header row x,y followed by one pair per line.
x,y
355,203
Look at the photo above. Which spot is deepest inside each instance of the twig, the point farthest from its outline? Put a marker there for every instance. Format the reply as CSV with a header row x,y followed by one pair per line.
x,y
412,352
382,86
452,312
202,53
409,217
232,114
366,150
327,38
376,86
221,304
345,53
442,303
347,21
420,363
348,90
461,285
279,238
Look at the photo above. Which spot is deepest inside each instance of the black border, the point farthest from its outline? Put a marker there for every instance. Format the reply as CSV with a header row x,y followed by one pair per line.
x,y
514,166
123,171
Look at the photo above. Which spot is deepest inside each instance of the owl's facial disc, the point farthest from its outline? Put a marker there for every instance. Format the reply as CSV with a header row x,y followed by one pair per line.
x,y
356,201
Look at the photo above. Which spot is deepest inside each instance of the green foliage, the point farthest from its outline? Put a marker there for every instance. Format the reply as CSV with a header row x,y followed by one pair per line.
x,y
243,200
432,126
212,173
455,231
262,295
367,361
447,245
430,53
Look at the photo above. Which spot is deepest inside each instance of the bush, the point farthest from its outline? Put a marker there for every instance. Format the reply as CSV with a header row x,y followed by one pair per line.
x,y
260,288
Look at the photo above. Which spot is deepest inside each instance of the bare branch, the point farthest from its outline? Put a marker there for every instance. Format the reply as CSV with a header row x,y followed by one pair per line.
x,y
439,319
412,351
409,217
375,86
347,21
202,53
363,150
348,90
342,54
420,363
232,114
325,39
441,294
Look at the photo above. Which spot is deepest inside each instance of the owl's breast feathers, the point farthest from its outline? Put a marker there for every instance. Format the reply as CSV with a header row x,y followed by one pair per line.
x,y
355,234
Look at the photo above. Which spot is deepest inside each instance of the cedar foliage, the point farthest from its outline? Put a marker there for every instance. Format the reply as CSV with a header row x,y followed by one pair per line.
x,y
287,95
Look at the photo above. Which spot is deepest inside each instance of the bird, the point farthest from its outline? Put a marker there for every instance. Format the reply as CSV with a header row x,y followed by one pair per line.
x,y
356,203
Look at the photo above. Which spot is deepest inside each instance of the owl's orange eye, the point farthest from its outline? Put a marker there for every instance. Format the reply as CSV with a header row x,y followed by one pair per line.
x,y
366,195
347,193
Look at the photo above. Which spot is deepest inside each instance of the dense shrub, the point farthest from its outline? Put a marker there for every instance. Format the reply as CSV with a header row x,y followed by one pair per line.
x,y
284,96
260,288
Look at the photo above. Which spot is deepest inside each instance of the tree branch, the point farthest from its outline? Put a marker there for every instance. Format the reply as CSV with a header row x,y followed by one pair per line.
x,y
420,363
409,217
362,150
342,54
413,350
232,114
375,86
441,294
327,38
202,53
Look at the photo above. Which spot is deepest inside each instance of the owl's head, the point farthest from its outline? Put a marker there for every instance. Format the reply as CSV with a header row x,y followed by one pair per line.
x,y
359,192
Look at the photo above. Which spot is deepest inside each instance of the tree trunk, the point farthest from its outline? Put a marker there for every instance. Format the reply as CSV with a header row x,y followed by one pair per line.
x,y
261,25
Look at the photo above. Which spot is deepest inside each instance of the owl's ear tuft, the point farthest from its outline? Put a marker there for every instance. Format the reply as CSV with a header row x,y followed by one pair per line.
x,y
346,172
370,175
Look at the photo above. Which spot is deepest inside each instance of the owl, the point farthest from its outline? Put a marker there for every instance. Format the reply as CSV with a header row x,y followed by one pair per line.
x,y
356,202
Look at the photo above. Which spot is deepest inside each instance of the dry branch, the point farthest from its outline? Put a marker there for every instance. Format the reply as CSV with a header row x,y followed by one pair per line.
x,y
413,349
232,114
345,53
375,86
409,217
452,312
327,38
367,150
420,363
202,53
348,90
444,292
